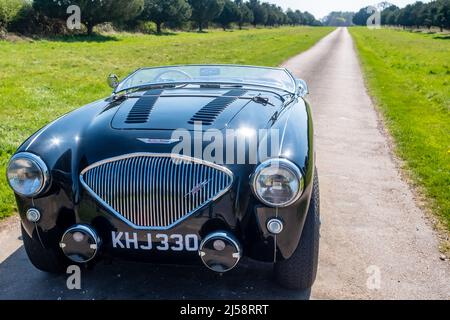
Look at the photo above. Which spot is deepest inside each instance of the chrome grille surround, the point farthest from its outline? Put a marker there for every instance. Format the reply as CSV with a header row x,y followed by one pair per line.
x,y
155,191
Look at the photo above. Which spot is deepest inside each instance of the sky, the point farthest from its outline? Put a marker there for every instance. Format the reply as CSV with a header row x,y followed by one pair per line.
x,y
320,8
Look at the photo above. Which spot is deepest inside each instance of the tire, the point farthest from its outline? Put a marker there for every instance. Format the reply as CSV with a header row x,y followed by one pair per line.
x,y
300,270
47,260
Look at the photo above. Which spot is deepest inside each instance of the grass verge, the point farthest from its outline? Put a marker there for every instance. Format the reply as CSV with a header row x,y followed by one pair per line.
x,y
408,74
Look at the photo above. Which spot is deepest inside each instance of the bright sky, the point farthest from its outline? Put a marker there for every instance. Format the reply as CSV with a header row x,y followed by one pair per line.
x,y
320,8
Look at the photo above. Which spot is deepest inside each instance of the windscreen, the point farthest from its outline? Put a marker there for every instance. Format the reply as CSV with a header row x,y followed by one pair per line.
x,y
270,77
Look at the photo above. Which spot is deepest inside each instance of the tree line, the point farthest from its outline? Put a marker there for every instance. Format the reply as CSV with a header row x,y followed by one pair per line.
x,y
416,15
49,16
339,19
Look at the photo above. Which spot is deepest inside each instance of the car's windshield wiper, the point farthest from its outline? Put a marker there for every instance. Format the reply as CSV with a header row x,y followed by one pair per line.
x,y
178,85
263,101
156,86
219,86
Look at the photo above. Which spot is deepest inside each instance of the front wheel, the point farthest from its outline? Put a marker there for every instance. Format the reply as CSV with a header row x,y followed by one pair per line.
x,y
300,270
47,260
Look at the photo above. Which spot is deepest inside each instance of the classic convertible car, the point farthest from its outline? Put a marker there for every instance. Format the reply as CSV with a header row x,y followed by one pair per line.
x,y
194,164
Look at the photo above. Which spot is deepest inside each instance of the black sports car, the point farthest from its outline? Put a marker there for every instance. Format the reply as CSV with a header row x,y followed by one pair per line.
x,y
181,164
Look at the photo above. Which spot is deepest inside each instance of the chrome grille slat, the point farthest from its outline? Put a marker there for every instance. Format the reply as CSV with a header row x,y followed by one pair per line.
x,y
146,186
155,185
138,191
112,188
135,191
121,188
162,195
194,182
140,194
152,187
131,195
183,188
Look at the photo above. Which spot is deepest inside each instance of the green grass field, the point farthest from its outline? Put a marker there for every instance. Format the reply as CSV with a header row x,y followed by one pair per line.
x,y
42,80
409,76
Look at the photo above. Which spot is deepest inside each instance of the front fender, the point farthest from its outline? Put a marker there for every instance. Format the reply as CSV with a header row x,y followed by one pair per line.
x,y
296,145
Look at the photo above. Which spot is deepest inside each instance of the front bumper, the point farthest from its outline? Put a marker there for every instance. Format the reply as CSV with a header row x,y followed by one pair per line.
x,y
242,216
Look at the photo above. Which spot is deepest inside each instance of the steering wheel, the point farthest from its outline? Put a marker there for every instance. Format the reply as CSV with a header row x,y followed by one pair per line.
x,y
159,76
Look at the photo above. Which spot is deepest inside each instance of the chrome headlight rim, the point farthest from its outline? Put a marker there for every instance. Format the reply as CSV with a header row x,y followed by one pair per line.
x,y
42,167
286,164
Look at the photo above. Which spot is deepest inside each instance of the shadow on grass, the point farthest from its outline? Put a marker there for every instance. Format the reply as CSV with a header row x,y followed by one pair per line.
x,y
442,37
82,38
163,34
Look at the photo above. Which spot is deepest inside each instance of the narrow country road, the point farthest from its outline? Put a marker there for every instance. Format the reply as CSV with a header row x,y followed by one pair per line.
x,y
376,242
371,223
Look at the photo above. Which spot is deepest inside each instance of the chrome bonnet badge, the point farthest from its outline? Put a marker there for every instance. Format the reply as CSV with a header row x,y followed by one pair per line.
x,y
197,188
158,141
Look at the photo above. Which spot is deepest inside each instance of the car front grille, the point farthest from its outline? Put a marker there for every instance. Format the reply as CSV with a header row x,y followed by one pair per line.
x,y
153,190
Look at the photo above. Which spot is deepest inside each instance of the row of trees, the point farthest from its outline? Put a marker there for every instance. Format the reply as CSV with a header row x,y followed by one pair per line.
x,y
221,12
419,14
172,13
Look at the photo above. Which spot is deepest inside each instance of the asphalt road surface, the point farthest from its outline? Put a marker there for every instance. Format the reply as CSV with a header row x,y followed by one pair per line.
x,y
376,242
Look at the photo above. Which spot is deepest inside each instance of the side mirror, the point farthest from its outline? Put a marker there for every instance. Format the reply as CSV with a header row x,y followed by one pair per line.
x,y
113,81
302,88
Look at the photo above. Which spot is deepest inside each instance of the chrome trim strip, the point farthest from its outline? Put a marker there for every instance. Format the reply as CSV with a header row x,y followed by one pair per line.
x,y
150,203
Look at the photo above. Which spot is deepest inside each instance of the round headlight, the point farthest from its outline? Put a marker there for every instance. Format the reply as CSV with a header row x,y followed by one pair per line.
x,y
278,183
27,174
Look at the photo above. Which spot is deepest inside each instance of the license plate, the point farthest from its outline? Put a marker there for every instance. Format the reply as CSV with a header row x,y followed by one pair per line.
x,y
155,241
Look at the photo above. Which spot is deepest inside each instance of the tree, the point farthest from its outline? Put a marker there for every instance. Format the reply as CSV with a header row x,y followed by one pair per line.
x,y
443,14
163,11
309,19
292,18
8,10
260,13
416,15
403,18
245,15
389,15
272,18
360,18
229,14
430,13
300,17
204,11
279,17
384,5
93,12
297,18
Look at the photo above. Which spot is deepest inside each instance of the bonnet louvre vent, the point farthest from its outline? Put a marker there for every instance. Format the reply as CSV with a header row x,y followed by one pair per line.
x,y
209,113
140,112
